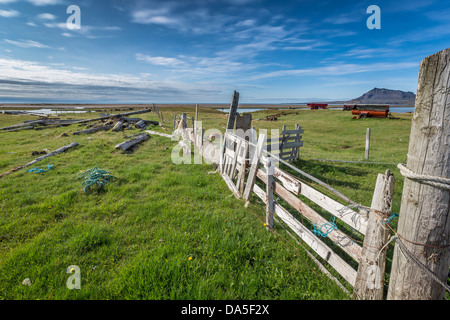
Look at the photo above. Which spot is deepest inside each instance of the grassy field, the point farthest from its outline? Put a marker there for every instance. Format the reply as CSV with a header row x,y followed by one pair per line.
x,y
166,231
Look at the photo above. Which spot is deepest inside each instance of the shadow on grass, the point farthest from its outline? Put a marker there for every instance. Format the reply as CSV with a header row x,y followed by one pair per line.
x,y
322,171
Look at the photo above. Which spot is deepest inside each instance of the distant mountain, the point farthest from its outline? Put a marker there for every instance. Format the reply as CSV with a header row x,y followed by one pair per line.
x,y
385,96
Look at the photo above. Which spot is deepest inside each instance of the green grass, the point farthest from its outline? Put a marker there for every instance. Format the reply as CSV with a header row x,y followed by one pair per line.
x,y
166,231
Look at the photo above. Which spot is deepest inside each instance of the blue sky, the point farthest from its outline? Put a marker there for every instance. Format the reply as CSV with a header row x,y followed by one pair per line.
x,y
199,51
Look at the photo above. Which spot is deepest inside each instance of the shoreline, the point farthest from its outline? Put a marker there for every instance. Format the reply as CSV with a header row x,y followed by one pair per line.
x,y
80,106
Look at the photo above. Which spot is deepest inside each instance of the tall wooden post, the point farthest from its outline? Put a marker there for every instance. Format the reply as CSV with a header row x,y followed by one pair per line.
x,y
174,123
422,246
367,143
184,120
195,126
233,110
270,186
370,277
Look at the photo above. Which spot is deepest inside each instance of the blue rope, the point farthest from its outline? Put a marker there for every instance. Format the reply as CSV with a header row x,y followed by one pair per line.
x,y
95,177
389,220
329,227
40,169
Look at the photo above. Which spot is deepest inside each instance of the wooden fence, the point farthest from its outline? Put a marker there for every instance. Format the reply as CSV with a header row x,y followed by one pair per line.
x,y
288,143
248,169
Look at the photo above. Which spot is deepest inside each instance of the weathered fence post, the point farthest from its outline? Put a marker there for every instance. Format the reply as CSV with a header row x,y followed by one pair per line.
x,y
195,126
174,123
270,186
184,120
421,256
367,143
371,268
233,111
297,155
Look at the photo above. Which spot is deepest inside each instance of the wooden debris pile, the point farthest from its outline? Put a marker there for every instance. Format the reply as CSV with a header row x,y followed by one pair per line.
x,y
108,119
115,123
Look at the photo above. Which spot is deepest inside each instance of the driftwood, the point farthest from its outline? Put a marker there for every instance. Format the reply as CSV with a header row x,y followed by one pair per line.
x,y
93,130
118,126
129,143
145,123
141,124
114,116
131,119
58,151
159,134
52,123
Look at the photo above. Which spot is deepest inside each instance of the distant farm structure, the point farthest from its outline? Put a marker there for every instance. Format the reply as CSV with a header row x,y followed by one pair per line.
x,y
316,106
368,111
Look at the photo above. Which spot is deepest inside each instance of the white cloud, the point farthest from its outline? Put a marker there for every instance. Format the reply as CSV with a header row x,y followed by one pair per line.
x,y
26,43
46,16
44,2
159,61
9,13
85,30
61,25
158,16
7,1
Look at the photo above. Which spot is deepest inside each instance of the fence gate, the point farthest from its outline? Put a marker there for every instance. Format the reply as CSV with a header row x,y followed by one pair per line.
x,y
289,143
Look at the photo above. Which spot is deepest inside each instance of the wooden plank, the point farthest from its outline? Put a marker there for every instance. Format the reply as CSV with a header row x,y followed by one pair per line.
x,y
283,140
230,137
270,185
254,167
233,110
295,144
159,134
344,269
118,126
287,157
229,152
340,238
241,181
129,143
235,159
285,154
288,181
221,154
294,131
370,277
231,186
93,130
